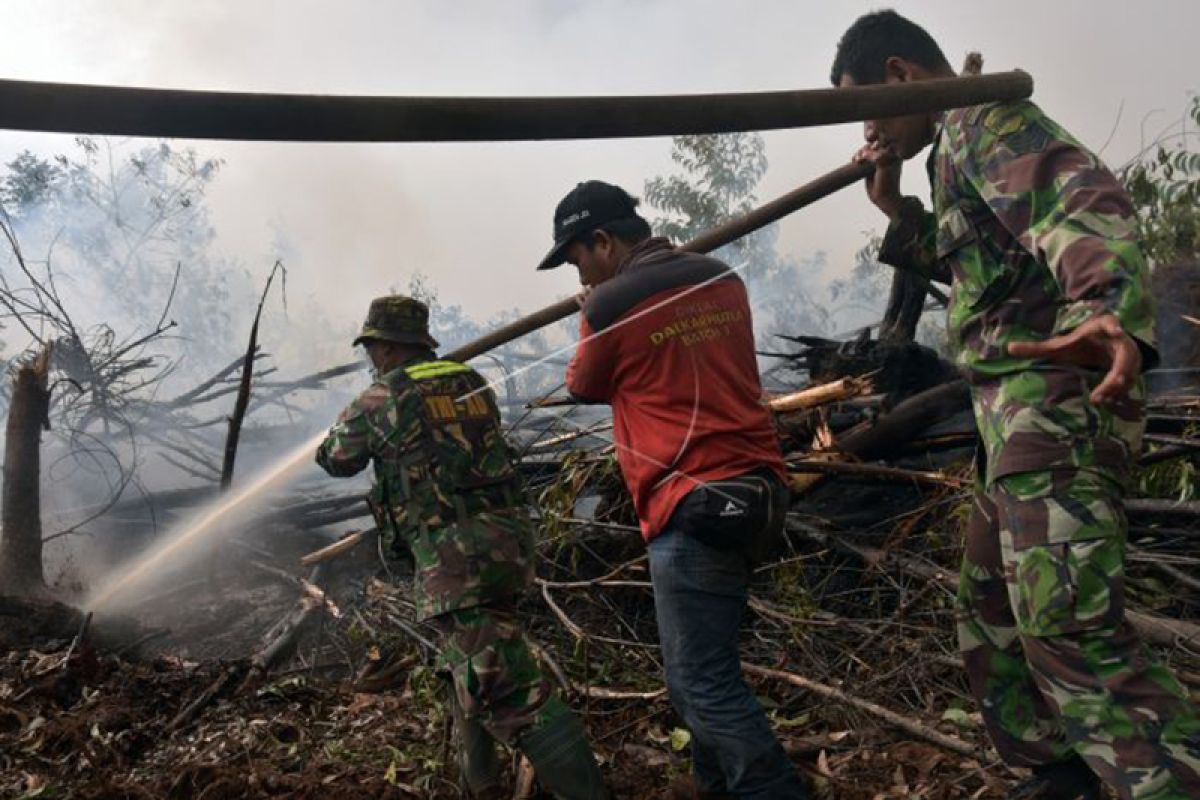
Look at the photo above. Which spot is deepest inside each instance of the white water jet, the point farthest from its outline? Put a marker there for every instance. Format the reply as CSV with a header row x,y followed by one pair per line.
x,y
177,544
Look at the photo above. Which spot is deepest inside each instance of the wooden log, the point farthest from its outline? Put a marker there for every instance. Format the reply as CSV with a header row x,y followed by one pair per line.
x,y
169,113
908,418
334,550
813,396
21,542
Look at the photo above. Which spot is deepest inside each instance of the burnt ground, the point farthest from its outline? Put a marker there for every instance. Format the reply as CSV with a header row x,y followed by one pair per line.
x,y
97,718
97,726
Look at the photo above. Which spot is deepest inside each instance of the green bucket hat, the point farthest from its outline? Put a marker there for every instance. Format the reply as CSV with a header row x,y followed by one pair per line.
x,y
397,318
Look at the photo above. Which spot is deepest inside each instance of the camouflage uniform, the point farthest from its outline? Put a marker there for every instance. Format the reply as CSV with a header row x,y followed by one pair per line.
x,y
445,488
1037,237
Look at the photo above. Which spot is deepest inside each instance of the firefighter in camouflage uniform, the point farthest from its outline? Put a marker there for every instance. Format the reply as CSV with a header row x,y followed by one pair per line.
x,y
446,490
1051,320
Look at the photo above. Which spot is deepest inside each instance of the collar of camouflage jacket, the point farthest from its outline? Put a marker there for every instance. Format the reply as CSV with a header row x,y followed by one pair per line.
x,y
383,377
939,125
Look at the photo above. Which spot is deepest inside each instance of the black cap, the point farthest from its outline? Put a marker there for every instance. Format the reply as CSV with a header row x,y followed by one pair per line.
x,y
585,208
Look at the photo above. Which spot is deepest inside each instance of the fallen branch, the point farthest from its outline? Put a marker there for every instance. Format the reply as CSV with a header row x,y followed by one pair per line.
x,y
592,581
309,589
1164,454
579,633
554,441
1143,506
346,543
1177,441
908,418
832,392
1151,627
952,743
876,471
227,678
283,637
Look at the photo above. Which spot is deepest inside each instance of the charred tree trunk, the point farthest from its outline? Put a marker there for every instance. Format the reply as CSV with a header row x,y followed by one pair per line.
x,y
243,395
905,304
21,542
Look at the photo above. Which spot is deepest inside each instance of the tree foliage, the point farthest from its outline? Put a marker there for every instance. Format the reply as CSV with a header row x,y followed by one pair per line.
x,y
123,238
716,183
1164,181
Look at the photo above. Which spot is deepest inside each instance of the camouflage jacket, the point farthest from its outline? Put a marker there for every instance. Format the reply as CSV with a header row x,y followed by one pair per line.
x,y
444,482
1036,236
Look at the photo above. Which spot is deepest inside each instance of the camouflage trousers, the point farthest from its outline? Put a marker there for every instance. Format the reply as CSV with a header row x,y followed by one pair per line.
x,y
1052,661
495,677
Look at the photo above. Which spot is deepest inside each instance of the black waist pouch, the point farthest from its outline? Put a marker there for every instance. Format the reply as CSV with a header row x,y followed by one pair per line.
x,y
731,513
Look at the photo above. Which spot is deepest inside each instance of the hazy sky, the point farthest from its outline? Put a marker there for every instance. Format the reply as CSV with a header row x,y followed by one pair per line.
x,y
476,217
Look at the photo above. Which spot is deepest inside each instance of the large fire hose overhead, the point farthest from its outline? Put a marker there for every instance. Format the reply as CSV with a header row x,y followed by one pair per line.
x,y
174,113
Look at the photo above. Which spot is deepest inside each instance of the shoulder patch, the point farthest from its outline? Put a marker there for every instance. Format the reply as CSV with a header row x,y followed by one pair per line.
x,y
374,397
1005,119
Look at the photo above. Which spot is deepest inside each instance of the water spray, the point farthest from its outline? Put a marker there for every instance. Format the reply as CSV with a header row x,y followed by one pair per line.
x,y
223,510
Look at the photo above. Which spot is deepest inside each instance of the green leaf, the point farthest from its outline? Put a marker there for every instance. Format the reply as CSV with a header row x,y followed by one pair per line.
x,y
680,738
959,717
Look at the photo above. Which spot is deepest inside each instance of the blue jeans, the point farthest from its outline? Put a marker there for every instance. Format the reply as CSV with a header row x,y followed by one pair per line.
x,y
700,594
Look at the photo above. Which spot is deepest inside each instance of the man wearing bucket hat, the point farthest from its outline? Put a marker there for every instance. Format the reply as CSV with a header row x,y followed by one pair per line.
x,y
446,488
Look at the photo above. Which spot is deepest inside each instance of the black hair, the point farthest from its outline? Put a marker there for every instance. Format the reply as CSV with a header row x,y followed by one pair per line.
x,y
874,38
630,230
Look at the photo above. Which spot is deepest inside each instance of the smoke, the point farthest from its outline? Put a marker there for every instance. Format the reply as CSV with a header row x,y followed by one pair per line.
x,y
121,248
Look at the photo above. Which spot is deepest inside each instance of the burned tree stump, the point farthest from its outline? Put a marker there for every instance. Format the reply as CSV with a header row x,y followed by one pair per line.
x,y
21,541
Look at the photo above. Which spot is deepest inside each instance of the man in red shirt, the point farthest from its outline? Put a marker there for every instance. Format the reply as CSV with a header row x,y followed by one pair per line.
x,y
666,339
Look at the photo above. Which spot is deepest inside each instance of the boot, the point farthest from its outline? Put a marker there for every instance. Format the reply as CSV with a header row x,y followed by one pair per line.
x,y
560,754
1072,779
478,764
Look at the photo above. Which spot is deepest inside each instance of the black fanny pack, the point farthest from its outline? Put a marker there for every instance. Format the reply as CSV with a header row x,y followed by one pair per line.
x,y
731,513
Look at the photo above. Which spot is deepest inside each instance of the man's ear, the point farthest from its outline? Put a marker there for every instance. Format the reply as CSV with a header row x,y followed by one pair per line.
x,y
897,70
602,240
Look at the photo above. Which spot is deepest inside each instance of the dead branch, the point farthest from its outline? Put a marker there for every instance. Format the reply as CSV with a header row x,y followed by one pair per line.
x,y
283,638
952,743
308,588
579,633
1177,441
592,581
229,675
1151,627
832,392
1176,574
876,471
1167,507
243,395
189,397
1164,454
346,543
